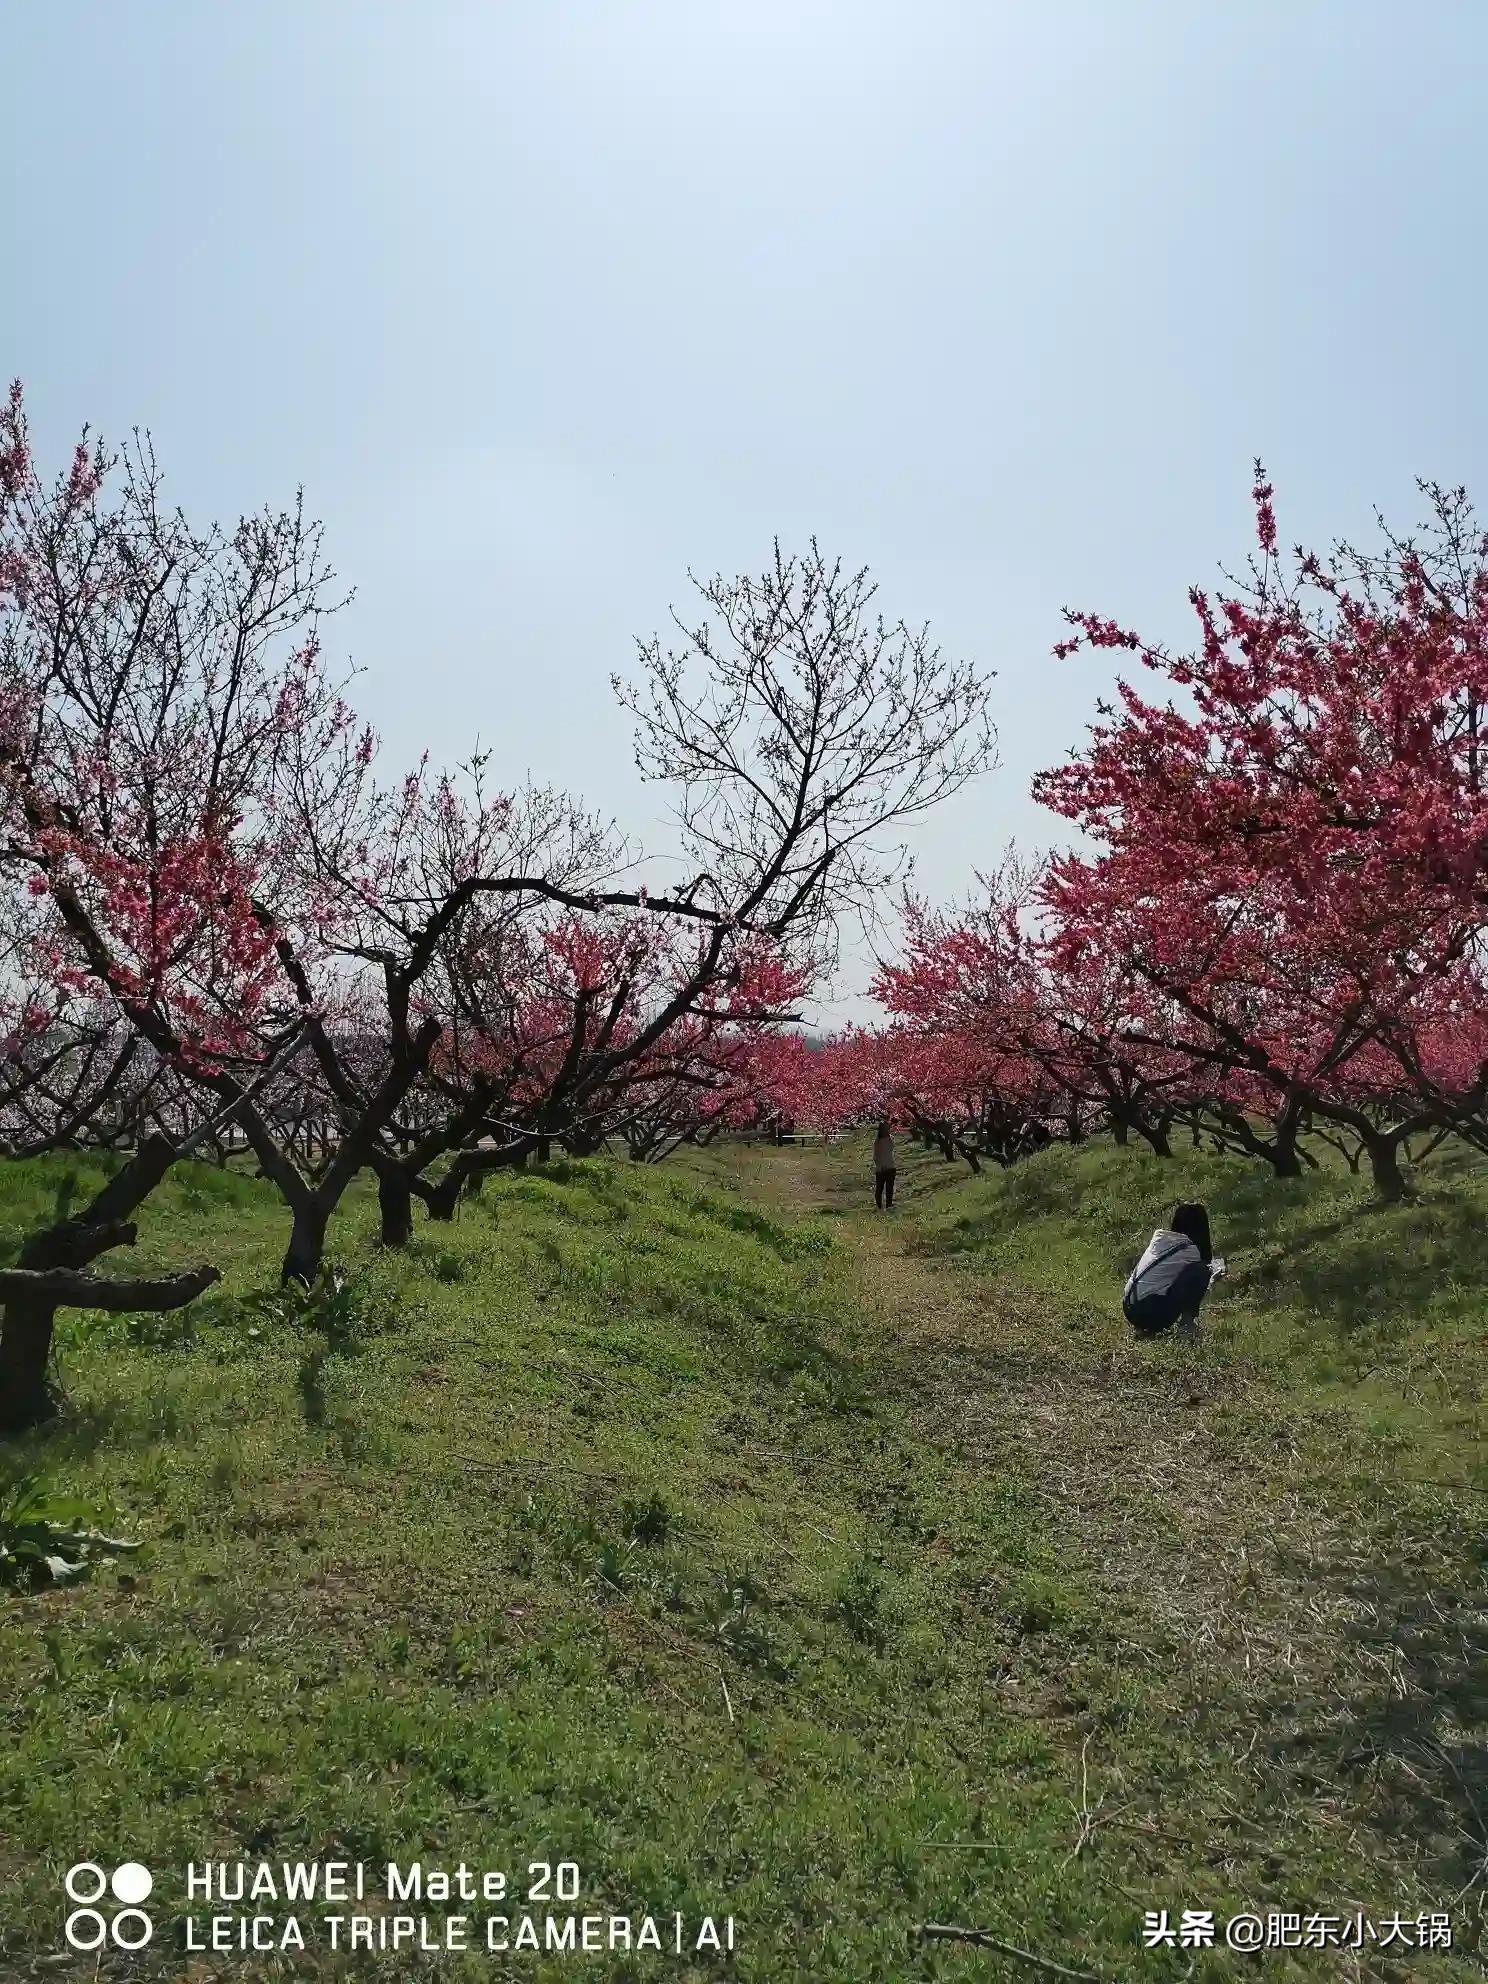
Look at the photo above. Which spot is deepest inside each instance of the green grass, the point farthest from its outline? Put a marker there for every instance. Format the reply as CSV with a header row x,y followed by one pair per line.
x,y
767,1560
1329,1292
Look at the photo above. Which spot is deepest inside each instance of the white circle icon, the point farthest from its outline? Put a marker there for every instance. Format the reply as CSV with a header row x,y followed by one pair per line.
x,y
86,1929
129,1928
79,1881
143,1928
132,1883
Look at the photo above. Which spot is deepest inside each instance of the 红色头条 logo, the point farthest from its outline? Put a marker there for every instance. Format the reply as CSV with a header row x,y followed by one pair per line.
x,y
127,1927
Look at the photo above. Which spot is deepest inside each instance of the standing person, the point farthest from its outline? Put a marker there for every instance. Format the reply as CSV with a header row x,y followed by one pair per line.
x,y
883,1167
1172,1278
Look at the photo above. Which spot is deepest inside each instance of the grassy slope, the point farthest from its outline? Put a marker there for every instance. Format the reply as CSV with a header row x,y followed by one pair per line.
x,y
1282,1527
1329,1290
835,1574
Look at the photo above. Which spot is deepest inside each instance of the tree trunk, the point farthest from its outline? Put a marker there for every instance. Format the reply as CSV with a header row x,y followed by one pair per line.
x,y
25,1352
442,1198
1285,1155
395,1203
1120,1131
65,1251
306,1244
1384,1164
1155,1136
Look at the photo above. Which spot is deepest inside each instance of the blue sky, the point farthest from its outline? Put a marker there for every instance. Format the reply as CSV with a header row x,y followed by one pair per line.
x,y
545,303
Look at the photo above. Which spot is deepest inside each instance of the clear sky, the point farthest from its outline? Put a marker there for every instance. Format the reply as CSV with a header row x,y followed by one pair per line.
x,y
545,303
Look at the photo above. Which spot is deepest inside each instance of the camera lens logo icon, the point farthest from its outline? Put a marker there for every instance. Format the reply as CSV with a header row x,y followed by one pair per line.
x,y
128,1927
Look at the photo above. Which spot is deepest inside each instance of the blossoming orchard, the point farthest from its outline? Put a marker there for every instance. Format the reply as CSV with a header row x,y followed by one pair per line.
x,y
229,929
1270,939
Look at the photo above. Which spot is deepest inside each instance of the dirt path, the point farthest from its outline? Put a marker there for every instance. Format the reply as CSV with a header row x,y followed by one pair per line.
x,y
1108,1437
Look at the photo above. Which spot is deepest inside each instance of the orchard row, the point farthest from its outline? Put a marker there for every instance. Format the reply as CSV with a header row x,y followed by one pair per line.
x,y
223,922
1270,935
227,927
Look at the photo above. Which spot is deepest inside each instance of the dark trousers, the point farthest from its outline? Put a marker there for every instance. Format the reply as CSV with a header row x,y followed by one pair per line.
x,y
1153,1315
883,1188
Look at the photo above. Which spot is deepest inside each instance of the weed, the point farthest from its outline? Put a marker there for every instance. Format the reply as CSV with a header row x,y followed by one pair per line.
x,y
335,1304
858,1601
650,1522
47,1536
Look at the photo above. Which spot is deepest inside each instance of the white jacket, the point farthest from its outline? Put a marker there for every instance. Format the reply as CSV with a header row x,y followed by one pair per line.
x,y
1167,1255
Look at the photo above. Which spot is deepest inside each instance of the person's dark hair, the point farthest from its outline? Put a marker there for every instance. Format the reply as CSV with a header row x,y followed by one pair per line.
x,y
884,1130
1192,1221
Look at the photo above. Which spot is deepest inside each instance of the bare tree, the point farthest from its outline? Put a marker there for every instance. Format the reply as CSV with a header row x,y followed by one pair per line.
x,y
799,730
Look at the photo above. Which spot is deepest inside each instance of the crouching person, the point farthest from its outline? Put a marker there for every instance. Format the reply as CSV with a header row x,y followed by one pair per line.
x,y
1169,1283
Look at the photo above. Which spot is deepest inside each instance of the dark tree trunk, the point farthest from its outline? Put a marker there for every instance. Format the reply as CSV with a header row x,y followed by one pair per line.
x,y
1280,1150
25,1352
442,1198
1120,1131
306,1244
1384,1164
395,1204
1155,1136
1285,1155
27,1322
